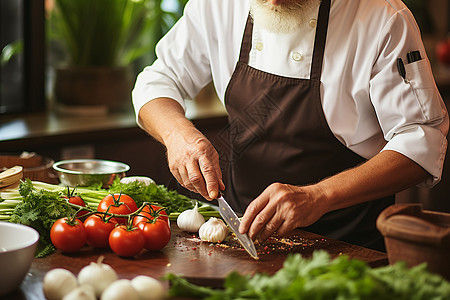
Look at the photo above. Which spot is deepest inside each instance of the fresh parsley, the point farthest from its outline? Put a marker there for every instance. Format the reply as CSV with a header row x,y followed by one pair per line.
x,y
40,209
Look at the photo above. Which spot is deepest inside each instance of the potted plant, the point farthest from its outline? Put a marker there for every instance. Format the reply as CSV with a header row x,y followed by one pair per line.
x,y
100,40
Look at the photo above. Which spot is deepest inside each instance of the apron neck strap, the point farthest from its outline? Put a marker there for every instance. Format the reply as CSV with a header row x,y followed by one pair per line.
x,y
319,43
321,37
246,45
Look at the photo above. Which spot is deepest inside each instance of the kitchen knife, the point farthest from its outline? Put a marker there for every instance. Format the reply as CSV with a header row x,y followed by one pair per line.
x,y
233,221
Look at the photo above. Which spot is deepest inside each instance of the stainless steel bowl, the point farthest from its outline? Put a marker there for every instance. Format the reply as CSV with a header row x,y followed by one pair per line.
x,y
86,172
17,248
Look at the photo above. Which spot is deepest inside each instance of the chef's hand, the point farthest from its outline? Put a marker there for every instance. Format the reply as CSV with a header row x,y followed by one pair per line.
x,y
195,163
192,158
281,208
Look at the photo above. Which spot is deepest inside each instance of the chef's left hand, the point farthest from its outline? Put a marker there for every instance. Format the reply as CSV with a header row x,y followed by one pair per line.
x,y
281,208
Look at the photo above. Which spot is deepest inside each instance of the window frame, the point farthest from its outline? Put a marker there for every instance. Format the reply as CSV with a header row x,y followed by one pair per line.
x,y
32,71
34,46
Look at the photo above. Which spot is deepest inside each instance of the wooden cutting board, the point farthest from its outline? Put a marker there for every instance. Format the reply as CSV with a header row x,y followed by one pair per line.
x,y
200,262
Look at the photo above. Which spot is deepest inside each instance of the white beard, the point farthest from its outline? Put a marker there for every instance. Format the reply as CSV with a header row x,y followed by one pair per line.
x,y
283,18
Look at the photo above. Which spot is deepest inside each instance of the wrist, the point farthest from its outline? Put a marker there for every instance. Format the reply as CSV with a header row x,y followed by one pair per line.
x,y
325,197
185,133
164,119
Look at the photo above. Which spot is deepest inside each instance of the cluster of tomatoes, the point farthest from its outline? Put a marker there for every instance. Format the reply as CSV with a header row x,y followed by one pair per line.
x,y
117,223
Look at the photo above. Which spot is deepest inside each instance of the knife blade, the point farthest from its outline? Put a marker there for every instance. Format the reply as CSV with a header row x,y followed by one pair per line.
x,y
233,221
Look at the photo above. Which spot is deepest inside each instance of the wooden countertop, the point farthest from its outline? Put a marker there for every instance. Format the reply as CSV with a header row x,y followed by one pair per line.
x,y
202,263
19,130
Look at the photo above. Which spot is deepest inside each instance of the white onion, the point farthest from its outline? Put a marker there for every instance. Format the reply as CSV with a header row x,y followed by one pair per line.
x,y
148,288
58,282
83,292
120,290
98,275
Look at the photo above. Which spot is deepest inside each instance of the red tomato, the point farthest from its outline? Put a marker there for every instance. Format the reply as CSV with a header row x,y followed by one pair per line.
x,y
78,201
68,237
147,213
125,242
98,231
157,235
119,204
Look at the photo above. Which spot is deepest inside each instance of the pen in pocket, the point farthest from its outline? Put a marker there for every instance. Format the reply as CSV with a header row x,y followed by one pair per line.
x,y
412,56
401,68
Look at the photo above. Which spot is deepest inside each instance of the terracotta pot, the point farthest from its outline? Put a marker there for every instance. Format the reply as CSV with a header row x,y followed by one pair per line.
x,y
417,236
94,86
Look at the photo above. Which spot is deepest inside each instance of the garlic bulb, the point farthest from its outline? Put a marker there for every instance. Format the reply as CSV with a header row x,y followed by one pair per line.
x,y
98,275
148,288
214,231
190,220
120,290
58,283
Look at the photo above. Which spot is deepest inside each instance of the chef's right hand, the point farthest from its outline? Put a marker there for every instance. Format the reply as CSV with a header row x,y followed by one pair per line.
x,y
194,162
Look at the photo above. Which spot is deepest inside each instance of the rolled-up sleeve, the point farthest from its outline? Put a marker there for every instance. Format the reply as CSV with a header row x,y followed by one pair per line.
x,y
182,65
411,112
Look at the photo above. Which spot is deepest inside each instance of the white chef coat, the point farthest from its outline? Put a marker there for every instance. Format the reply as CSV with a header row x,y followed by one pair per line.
x,y
367,104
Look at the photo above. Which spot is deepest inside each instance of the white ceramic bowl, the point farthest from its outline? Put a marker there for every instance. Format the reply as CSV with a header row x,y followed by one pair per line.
x,y
17,249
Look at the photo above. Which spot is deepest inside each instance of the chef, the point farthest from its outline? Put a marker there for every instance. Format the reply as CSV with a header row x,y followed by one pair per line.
x,y
332,110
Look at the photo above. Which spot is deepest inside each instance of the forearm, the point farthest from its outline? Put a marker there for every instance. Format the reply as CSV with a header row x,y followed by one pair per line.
x,y
283,207
385,174
163,118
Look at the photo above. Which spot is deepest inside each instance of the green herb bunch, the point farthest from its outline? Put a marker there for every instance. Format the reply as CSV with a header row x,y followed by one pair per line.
x,y
40,209
171,200
321,277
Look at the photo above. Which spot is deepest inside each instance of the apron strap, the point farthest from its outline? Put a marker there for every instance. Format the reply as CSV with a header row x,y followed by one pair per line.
x,y
320,40
246,45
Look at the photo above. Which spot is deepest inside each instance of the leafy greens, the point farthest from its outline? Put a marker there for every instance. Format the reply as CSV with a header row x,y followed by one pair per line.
x,y
40,209
321,277
171,200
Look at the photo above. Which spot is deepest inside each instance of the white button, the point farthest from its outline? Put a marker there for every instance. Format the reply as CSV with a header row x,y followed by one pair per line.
x,y
313,23
259,46
297,56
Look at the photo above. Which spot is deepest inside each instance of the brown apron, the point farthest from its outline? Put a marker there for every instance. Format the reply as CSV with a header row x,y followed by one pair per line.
x,y
278,133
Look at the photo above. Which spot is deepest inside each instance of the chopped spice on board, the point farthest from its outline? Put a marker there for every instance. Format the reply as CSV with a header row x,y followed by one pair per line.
x,y
273,244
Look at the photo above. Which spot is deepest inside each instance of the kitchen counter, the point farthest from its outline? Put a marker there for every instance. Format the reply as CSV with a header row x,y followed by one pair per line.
x,y
25,129
112,136
200,262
